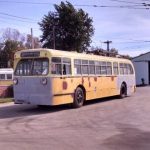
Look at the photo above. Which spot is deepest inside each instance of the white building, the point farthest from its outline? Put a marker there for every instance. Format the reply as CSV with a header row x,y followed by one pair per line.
x,y
142,68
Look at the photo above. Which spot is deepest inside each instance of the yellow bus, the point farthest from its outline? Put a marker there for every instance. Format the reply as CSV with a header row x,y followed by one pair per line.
x,y
53,77
6,82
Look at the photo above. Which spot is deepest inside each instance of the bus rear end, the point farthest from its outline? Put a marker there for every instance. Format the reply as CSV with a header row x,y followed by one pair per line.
x,y
32,84
6,82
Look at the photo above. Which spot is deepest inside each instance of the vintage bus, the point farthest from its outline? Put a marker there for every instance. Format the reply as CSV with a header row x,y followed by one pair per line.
x,y
53,77
6,82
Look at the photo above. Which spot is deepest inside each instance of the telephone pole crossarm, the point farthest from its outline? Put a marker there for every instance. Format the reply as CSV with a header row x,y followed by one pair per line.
x,y
108,42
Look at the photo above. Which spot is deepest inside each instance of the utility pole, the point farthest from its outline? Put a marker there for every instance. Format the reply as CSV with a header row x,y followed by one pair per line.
x,y
54,46
108,42
32,40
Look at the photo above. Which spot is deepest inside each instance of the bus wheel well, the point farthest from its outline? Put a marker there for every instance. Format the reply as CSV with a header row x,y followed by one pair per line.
x,y
123,90
79,97
82,87
124,84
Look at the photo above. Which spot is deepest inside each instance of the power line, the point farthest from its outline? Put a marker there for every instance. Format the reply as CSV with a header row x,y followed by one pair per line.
x,y
23,2
7,18
138,42
137,6
24,18
141,4
16,25
123,6
122,1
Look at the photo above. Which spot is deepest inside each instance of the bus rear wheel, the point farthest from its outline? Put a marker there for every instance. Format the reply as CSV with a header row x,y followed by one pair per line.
x,y
79,98
123,91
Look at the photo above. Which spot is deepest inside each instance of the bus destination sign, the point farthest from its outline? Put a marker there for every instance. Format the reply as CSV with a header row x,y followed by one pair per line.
x,y
30,54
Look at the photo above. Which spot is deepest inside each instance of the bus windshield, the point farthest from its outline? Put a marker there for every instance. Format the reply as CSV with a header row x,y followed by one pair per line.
x,y
31,67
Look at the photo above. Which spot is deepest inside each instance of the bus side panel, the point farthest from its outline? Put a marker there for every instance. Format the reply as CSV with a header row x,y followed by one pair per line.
x,y
6,88
103,86
30,90
95,87
130,82
63,90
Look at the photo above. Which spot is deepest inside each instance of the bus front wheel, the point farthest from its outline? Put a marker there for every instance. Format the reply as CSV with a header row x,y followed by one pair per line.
x,y
123,91
79,98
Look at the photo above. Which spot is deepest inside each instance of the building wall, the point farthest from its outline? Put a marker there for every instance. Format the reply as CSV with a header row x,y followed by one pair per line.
x,y
141,71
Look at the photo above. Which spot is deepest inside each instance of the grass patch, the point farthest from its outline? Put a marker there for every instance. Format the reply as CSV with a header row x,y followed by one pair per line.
x,y
6,100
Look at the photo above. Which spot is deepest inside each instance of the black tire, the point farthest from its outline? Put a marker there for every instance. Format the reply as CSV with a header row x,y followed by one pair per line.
x,y
43,106
79,97
123,91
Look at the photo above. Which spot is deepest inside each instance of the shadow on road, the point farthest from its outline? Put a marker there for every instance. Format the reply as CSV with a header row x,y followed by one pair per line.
x,y
14,110
28,110
101,100
129,138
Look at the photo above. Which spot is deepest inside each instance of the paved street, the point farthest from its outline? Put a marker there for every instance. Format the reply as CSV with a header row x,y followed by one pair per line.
x,y
112,124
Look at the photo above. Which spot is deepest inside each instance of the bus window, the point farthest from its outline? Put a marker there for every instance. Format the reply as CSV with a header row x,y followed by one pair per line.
x,y
103,68
121,65
130,69
28,67
125,68
2,76
61,66
40,67
9,76
66,66
56,66
85,67
91,67
98,67
77,66
109,68
24,67
115,68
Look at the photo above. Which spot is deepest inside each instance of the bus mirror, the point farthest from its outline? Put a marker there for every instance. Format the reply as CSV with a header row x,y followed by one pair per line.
x,y
44,81
15,81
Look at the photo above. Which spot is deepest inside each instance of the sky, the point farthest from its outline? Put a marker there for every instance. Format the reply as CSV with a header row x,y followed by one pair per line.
x,y
124,22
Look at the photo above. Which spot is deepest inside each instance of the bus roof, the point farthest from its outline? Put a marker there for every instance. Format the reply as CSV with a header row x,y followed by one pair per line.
x,y
53,52
6,70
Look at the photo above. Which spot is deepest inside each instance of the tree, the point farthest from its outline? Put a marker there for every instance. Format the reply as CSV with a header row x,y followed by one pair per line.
x,y
12,34
28,43
113,50
10,47
67,29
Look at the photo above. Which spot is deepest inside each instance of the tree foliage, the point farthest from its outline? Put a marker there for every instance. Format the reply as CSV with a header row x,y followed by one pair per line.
x,y
28,43
11,41
67,29
10,47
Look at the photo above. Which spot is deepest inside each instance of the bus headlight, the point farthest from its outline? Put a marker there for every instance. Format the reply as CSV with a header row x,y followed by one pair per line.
x,y
44,81
15,81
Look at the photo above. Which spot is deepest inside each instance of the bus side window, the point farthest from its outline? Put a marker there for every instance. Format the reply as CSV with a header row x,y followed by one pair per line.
x,y
109,68
66,66
85,67
130,69
103,68
98,67
115,68
56,66
92,67
9,76
64,69
121,67
2,76
77,66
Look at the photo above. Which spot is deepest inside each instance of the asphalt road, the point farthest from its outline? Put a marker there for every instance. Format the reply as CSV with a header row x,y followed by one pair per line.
x,y
111,124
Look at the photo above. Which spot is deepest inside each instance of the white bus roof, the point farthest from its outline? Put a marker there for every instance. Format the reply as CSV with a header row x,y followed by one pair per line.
x,y
6,70
73,54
